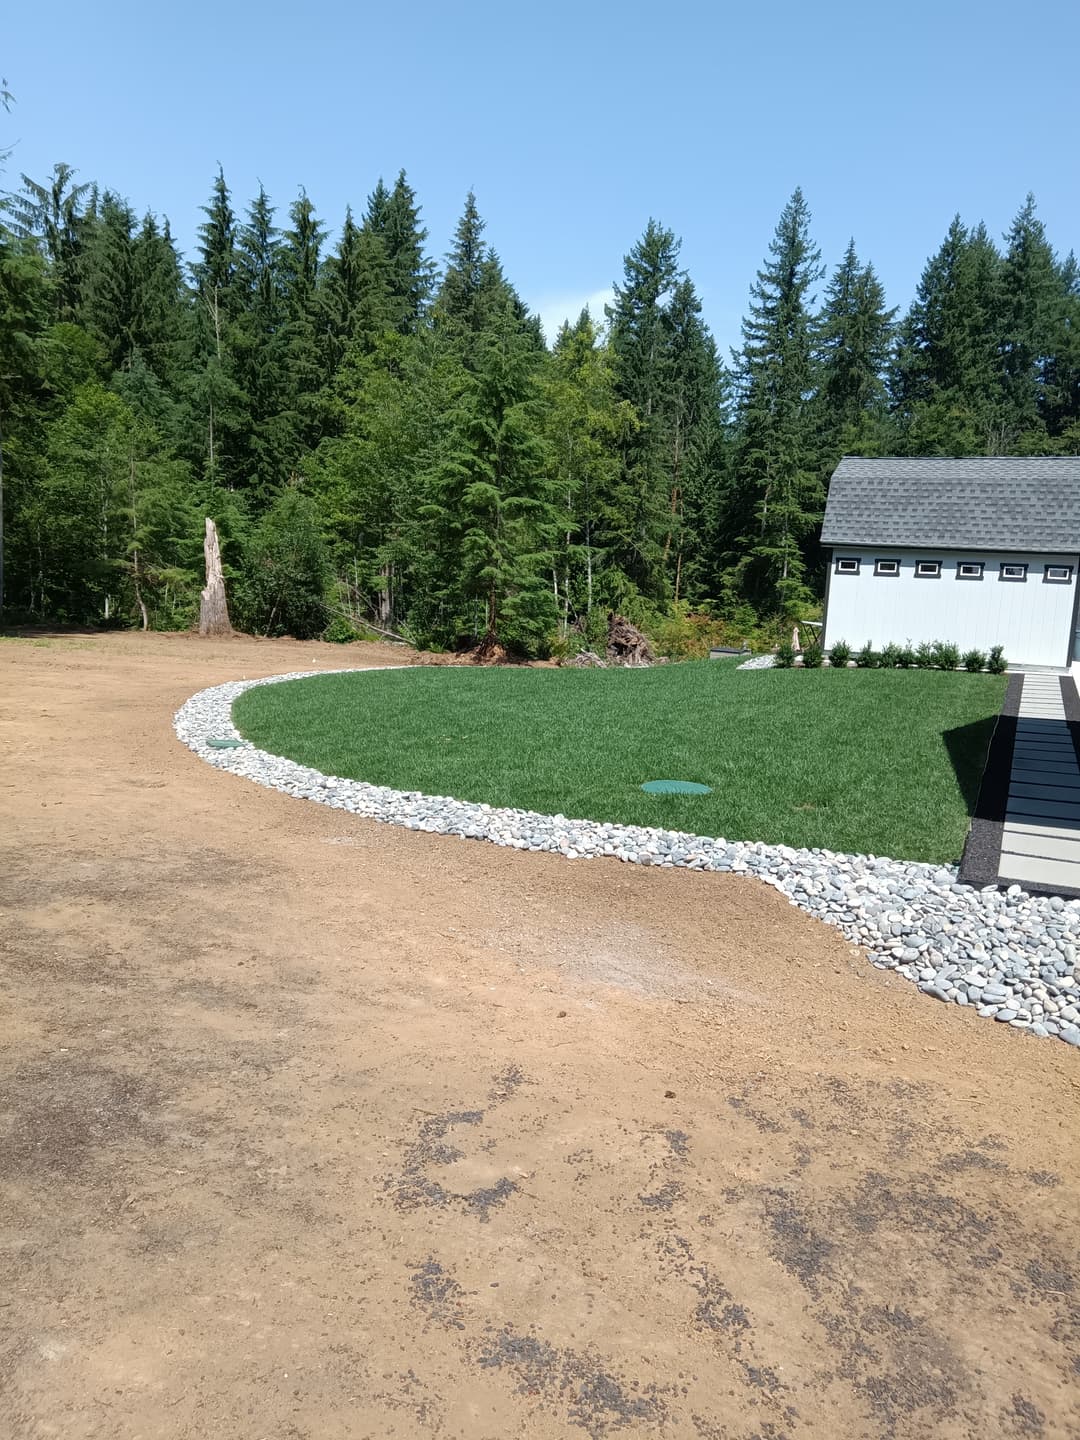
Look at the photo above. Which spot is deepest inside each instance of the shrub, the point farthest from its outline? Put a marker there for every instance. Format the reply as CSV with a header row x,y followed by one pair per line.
x,y
867,658
341,631
812,657
946,656
906,658
974,661
890,656
840,654
286,571
785,655
997,664
924,656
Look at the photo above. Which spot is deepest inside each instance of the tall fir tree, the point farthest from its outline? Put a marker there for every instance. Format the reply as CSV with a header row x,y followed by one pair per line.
x,y
776,496
946,378
585,424
1033,297
260,352
491,512
304,329
52,214
640,339
853,345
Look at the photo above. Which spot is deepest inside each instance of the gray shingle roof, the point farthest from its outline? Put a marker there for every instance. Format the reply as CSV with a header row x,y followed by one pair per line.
x,y
986,503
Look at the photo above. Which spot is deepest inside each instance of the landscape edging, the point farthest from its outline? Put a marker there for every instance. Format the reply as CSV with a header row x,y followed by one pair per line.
x,y
1009,954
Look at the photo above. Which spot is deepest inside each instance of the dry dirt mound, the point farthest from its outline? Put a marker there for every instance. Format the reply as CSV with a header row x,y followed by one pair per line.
x,y
311,1127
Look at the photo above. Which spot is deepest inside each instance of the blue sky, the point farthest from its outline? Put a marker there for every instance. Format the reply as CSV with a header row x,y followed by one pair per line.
x,y
573,122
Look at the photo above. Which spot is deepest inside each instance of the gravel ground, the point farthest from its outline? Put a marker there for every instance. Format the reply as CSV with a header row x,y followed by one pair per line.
x,y
1010,955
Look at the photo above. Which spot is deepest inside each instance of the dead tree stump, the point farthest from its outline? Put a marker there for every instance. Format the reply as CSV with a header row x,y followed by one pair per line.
x,y
213,608
626,644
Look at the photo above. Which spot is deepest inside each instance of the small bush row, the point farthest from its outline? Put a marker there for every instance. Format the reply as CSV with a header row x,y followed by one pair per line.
x,y
936,655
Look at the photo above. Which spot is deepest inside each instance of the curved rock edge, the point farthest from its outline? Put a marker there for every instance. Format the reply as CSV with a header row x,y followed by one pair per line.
x,y
1010,955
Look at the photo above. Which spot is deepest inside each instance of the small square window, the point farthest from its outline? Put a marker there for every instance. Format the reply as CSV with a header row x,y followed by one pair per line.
x,y
1010,570
969,570
847,567
928,569
1058,574
887,567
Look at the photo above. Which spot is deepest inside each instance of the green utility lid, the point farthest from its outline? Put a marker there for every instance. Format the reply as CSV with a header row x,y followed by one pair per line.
x,y
219,743
675,787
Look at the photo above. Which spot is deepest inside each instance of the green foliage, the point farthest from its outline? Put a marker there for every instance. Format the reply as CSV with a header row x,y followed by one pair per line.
x,y
813,657
686,634
889,658
468,485
774,510
490,515
840,654
996,662
924,655
973,661
668,377
867,658
906,658
785,655
341,631
286,571
946,656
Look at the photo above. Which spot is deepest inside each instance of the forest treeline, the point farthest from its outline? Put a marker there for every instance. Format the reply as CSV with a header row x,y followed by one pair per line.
x,y
383,440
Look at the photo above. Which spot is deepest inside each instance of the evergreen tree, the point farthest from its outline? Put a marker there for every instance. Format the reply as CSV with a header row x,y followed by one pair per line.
x,y
640,337
853,346
358,291
585,424
411,272
260,351
304,328
459,301
491,513
109,289
219,412
1032,299
776,495
161,320
286,571
52,214
24,302
946,382
695,447
1061,386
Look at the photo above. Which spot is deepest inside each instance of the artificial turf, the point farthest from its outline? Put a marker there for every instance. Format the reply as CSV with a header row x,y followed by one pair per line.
x,y
885,762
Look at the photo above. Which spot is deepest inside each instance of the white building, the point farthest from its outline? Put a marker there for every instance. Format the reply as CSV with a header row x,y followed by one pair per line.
x,y
979,552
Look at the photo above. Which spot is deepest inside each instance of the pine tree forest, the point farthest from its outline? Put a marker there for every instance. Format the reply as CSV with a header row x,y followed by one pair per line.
x,y
388,445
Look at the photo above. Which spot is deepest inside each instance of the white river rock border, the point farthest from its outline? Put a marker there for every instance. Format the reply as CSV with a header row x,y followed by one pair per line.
x,y
1010,955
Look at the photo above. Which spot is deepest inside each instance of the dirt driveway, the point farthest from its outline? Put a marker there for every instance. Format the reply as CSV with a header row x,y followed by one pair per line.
x,y
310,1127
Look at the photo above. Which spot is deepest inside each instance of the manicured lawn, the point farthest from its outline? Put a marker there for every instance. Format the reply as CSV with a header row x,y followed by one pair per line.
x,y
879,761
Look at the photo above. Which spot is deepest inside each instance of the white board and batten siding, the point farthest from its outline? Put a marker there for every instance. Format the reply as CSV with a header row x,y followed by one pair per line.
x,y
1032,618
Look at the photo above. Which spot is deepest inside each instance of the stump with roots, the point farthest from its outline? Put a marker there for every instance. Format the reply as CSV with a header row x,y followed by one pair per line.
x,y
213,607
626,645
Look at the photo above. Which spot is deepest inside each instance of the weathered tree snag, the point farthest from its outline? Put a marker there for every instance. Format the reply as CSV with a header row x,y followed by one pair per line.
x,y
213,609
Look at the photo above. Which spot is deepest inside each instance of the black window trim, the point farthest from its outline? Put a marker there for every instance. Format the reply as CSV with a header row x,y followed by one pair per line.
x,y
848,560
921,574
887,574
1021,565
979,564
1065,579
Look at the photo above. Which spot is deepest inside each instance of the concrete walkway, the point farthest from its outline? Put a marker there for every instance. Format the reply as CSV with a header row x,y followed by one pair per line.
x,y
1040,843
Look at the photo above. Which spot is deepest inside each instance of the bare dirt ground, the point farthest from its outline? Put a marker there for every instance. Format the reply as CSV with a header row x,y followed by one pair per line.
x,y
310,1127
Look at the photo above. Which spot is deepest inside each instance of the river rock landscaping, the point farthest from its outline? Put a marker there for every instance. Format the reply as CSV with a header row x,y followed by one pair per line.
x,y
1010,955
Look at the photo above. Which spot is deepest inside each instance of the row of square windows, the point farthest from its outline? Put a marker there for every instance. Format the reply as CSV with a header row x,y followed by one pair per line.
x,y
965,570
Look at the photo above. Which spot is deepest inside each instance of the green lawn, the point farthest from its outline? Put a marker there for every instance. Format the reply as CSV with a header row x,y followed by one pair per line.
x,y
880,761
